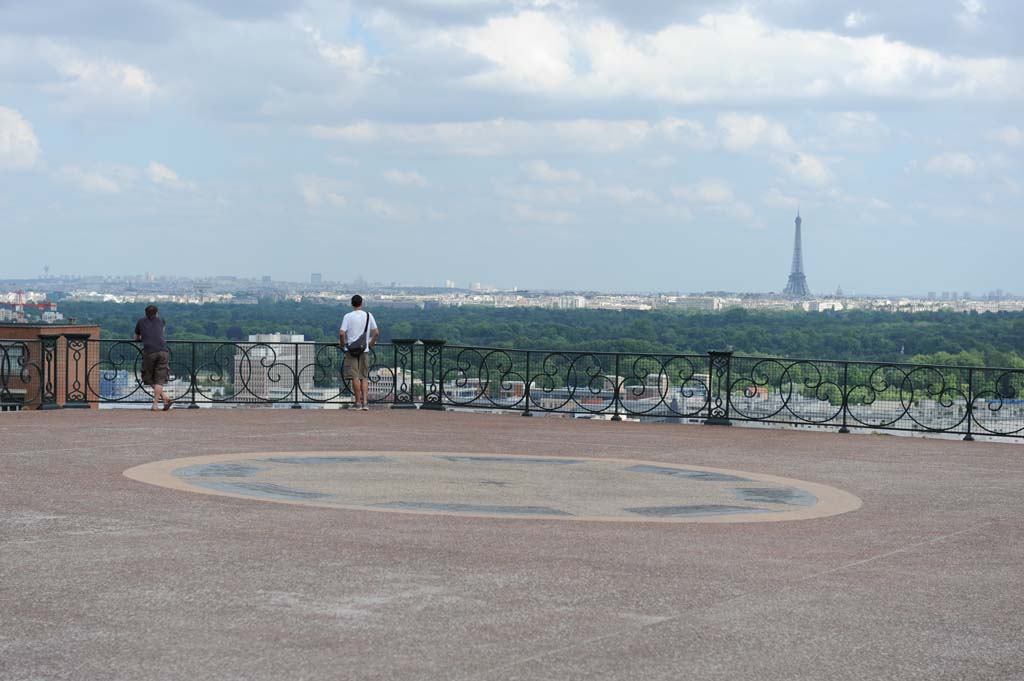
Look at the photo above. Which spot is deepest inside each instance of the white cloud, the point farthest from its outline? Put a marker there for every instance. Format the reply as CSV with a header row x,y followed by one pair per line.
x,y
19,146
317,191
714,195
405,178
547,194
352,59
95,181
89,84
381,208
660,161
807,169
625,194
498,136
851,131
775,197
952,163
1010,135
858,124
723,57
854,20
691,134
160,174
540,170
971,12
518,137
705,191
531,214
1010,186
741,132
531,50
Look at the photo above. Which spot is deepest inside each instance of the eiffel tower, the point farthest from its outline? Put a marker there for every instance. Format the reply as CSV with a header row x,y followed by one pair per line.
x,y
796,287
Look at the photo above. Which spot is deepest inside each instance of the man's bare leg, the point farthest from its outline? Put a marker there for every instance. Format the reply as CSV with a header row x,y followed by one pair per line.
x,y
366,393
357,392
159,396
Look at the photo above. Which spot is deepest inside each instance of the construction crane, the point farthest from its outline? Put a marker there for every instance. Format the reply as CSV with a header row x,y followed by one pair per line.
x,y
19,306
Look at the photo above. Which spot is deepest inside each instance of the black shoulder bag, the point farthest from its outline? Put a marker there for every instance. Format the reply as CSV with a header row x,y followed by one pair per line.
x,y
363,341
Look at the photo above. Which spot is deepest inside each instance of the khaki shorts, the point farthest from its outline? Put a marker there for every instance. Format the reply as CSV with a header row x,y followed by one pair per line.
x,y
156,368
356,368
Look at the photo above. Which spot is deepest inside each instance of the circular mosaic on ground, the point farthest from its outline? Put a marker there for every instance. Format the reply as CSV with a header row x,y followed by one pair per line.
x,y
502,486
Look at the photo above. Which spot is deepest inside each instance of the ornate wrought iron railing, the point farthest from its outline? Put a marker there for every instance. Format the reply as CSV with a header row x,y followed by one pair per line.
x,y
714,388
21,374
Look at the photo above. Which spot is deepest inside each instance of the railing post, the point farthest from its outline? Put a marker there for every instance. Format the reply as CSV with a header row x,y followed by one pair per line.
x,y
295,378
432,391
616,397
48,369
970,404
76,347
526,387
402,393
193,377
846,396
719,381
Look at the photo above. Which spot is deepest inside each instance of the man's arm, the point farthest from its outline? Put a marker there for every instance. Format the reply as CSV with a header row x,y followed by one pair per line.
x,y
341,337
138,336
376,334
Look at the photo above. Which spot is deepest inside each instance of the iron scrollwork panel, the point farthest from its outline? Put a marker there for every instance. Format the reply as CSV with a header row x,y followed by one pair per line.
x,y
786,391
908,397
662,385
116,374
21,374
997,404
569,382
484,377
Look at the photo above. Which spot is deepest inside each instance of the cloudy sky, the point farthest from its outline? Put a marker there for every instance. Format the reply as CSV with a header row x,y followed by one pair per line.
x,y
644,145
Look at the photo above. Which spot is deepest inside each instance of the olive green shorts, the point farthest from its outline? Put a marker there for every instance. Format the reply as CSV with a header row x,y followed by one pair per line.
x,y
356,368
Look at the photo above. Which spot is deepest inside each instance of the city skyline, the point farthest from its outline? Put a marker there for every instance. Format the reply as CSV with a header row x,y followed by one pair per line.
x,y
200,286
549,145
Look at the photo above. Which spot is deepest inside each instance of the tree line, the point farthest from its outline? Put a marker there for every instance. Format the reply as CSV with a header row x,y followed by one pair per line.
x,y
988,339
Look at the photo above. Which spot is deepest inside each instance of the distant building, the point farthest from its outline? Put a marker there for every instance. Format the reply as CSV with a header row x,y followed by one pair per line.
x,y
699,303
316,279
266,279
822,306
571,302
382,382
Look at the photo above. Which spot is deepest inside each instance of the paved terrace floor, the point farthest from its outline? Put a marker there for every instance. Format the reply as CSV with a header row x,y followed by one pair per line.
x,y
105,577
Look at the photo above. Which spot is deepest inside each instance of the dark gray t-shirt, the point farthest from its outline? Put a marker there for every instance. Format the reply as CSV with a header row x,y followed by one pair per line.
x,y
152,332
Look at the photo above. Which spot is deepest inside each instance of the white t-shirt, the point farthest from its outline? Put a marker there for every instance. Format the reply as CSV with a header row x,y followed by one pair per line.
x,y
353,324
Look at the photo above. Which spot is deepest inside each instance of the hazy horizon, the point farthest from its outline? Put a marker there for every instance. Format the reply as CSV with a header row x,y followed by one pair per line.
x,y
543,144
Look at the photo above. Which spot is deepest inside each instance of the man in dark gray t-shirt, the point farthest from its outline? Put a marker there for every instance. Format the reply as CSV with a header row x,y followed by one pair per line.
x,y
156,370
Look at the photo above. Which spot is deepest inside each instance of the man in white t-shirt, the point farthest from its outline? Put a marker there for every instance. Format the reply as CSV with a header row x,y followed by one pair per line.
x,y
357,335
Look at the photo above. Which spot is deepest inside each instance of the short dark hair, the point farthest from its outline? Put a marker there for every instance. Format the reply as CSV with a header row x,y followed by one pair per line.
x,y
357,300
151,311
